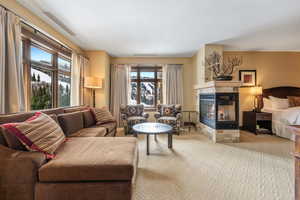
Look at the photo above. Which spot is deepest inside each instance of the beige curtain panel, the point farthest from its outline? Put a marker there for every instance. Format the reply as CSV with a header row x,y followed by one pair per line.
x,y
120,83
172,84
12,98
79,66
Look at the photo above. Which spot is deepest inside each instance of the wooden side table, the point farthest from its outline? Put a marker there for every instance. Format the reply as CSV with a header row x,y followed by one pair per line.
x,y
190,123
257,122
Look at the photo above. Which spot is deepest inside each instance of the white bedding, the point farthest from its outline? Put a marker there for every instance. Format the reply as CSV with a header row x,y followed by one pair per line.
x,y
282,118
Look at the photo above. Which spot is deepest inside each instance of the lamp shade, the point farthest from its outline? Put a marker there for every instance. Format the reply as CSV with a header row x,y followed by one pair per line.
x,y
256,91
93,82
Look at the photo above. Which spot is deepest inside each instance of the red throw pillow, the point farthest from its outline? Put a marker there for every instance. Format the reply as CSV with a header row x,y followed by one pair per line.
x,y
38,133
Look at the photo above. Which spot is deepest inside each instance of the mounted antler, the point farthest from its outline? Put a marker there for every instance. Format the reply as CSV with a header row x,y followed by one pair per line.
x,y
231,64
214,62
226,69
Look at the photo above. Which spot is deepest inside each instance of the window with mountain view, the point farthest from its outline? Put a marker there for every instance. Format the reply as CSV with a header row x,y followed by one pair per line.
x,y
50,78
146,86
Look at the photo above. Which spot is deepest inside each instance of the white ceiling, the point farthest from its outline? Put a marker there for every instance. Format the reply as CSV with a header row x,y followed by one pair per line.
x,y
175,27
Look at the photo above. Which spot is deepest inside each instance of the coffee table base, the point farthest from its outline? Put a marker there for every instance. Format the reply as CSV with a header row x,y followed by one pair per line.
x,y
170,141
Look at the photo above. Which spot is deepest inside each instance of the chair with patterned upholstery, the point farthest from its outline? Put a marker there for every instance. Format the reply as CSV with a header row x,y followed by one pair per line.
x,y
131,115
169,114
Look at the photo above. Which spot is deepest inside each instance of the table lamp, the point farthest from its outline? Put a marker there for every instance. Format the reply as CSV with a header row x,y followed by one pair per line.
x,y
256,92
93,83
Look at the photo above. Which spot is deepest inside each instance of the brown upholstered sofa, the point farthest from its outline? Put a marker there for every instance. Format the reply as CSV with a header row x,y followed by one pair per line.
x,y
86,166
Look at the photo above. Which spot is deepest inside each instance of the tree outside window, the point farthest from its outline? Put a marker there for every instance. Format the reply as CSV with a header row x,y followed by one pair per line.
x,y
50,78
146,85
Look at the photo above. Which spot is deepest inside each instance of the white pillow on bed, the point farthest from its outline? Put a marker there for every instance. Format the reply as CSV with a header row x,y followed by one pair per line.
x,y
267,103
278,103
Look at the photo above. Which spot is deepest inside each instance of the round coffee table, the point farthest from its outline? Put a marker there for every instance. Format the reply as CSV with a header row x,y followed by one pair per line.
x,y
149,128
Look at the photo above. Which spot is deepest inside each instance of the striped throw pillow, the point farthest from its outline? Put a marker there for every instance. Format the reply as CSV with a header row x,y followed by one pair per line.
x,y
102,115
38,133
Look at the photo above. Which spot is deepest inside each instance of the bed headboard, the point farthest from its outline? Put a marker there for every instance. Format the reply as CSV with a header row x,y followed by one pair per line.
x,y
281,92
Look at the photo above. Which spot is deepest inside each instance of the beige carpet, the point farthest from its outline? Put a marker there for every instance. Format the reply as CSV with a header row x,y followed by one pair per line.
x,y
258,168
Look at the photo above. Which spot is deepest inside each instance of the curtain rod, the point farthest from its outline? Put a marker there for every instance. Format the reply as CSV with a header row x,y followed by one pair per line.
x,y
37,29
7,9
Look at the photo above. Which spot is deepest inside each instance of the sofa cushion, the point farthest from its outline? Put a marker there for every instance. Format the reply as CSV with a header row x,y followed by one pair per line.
x,y
168,120
102,115
21,117
92,159
12,141
2,139
90,132
136,120
88,118
108,126
38,133
75,109
71,122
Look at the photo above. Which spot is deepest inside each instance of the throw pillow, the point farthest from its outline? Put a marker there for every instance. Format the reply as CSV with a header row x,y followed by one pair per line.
x,y
294,101
102,115
278,103
267,103
168,110
38,133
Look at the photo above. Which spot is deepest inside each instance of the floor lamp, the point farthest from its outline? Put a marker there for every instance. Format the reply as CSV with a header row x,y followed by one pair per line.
x,y
93,83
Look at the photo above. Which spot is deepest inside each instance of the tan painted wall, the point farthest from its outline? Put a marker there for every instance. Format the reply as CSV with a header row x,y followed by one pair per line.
x,y
100,67
188,74
273,69
17,8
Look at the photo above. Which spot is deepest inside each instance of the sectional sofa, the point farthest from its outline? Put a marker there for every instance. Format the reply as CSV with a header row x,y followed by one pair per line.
x,y
91,164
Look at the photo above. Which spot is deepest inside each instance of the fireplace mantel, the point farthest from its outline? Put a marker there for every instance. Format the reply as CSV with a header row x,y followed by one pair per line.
x,y
212,84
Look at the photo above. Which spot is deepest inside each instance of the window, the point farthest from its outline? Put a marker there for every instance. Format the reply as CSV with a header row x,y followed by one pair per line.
x,y
64,82
146,86
47,70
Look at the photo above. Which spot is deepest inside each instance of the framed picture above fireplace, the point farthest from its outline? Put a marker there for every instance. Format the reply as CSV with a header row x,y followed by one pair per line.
x,y
248,78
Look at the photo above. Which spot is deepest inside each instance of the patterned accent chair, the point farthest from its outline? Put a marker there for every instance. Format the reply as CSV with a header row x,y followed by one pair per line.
x,y
169,114
131,115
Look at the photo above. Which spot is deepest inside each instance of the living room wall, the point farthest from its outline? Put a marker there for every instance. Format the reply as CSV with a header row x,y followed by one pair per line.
x,y
99,64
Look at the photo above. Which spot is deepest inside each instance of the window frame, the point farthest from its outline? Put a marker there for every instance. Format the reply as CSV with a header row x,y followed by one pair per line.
x,y
27,43
139,80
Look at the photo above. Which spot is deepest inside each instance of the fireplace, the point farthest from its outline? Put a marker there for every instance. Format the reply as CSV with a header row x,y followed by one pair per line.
x,y
219,110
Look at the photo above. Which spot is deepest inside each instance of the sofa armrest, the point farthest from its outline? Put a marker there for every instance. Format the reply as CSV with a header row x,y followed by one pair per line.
x,y
19,173
157,115
145,115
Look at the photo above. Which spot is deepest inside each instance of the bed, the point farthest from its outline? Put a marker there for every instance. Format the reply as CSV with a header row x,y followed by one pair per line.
x,y
283,118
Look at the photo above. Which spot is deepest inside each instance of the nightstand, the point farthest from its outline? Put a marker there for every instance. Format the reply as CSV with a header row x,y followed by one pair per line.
x,y
257,122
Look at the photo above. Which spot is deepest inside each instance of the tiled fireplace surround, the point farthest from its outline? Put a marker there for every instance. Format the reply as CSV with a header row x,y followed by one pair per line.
x,y
218,133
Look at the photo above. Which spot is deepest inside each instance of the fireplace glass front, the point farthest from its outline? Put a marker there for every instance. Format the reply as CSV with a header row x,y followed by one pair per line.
x,y
226,108
219,110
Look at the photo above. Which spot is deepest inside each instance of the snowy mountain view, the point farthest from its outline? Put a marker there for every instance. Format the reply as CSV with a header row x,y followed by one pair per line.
x,y
146,88
41,81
